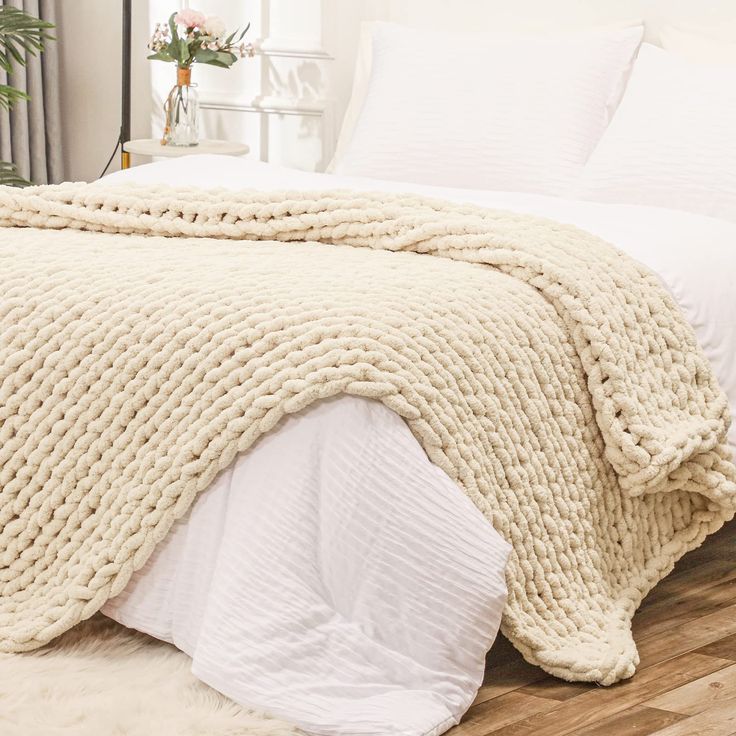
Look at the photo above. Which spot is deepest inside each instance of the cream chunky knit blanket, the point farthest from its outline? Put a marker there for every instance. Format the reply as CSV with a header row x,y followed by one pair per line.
x,y
549,375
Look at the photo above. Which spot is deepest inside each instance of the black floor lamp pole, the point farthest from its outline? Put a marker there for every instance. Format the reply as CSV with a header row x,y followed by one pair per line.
x,y
125,121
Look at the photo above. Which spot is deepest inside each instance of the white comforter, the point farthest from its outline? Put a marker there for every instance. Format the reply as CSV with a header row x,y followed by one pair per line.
x,y
362,597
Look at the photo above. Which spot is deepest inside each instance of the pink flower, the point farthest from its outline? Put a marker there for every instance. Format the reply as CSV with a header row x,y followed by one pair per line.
x,y
190,18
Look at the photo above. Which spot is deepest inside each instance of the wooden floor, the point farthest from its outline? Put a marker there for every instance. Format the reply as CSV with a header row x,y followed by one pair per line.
x,y
685,684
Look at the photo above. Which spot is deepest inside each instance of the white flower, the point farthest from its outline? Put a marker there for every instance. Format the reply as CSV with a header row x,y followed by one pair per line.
x,y
160,38
214,26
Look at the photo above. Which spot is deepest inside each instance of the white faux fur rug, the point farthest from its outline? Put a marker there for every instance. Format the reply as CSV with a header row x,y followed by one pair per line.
x,y
101,679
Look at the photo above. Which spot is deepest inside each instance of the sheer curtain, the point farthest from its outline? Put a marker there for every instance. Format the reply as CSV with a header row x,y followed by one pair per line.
x,y
30,133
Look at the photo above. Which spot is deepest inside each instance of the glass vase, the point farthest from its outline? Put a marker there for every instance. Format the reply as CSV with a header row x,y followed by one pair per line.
x,y
181,112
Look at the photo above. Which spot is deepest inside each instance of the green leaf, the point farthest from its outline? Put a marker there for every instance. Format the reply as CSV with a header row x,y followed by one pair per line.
x,y
220,59
162,55
204,56
10,95
9,177
226,58
183,52
218,64
20,34
173,29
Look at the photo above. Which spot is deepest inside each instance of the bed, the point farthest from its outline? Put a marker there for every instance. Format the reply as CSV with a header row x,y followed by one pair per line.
x,y
334,574
160,600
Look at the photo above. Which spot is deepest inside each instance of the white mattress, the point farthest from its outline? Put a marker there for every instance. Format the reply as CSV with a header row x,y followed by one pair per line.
x,y
335,577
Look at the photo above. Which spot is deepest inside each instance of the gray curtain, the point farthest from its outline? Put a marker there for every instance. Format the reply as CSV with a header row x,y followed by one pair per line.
x,y
30,133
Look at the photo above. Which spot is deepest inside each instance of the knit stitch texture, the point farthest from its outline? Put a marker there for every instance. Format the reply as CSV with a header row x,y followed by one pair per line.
x,y
552,377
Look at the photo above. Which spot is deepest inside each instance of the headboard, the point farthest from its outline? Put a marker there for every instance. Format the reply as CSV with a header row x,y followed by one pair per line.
x,y
289,101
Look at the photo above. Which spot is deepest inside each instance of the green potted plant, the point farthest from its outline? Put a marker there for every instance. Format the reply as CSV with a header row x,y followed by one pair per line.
x,y
20,34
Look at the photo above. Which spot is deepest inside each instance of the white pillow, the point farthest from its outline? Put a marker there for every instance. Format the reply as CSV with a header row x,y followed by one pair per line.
x,y
672,142
700,46
487,111
361,77
364,62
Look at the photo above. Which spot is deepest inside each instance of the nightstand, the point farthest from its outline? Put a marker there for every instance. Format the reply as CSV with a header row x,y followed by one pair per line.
x,y
153,147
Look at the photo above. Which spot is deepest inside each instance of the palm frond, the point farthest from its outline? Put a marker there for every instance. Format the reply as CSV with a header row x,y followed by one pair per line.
x,y
9,176
10,95
20,34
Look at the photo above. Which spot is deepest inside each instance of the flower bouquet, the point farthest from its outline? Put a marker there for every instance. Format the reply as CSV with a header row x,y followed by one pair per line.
x,y
190,38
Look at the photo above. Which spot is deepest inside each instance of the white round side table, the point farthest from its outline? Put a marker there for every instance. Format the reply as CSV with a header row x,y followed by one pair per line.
x,y
153,147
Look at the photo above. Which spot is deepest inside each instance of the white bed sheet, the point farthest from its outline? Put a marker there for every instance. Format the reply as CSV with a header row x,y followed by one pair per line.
x,y
333,575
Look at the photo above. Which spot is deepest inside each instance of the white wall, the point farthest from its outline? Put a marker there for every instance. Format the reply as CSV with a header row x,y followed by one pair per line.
x,y
90,57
